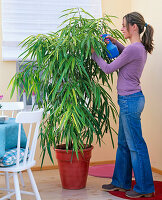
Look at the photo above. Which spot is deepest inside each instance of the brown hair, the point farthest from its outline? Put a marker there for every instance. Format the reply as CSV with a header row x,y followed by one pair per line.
x,y
147,38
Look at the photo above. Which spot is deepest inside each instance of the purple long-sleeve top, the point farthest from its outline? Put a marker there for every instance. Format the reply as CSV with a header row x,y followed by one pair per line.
x,y
130,63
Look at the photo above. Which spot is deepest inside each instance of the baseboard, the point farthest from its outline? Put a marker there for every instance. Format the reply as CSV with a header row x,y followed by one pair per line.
x,y
158,171
50,167
102,162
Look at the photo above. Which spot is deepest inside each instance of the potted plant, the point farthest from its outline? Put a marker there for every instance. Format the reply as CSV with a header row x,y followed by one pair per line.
x,y
77,107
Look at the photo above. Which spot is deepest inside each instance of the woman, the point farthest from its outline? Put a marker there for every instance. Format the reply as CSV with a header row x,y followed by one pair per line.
x,y
132,150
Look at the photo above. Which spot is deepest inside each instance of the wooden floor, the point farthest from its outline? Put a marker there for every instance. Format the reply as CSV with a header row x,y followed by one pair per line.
x,y
49,185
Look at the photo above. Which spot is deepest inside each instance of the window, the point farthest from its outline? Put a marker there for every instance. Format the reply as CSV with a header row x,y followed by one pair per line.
x,y
21,18
30,101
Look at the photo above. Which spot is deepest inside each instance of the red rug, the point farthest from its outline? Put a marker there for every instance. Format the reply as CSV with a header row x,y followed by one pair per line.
x,y
104,171
157,195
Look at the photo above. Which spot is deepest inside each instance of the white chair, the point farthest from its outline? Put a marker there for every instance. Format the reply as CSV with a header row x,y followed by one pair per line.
x,y
31,118
11,108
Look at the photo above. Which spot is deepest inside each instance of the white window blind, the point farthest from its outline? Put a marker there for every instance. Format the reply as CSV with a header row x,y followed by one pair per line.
x,y
21,18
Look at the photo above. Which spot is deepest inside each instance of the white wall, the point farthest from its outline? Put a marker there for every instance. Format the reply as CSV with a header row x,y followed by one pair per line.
x,y
119,9
8,69
152,81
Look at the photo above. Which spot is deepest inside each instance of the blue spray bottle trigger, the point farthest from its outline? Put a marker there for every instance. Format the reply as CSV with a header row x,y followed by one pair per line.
x,y
104,36
112,48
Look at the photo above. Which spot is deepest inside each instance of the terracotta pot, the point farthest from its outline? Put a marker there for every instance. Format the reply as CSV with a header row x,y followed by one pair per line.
x,y
73,172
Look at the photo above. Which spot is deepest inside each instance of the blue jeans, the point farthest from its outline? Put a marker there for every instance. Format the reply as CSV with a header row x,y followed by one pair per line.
x,y
132,150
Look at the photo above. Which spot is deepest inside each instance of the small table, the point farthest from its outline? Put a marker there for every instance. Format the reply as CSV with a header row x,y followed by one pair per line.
x,y
9,135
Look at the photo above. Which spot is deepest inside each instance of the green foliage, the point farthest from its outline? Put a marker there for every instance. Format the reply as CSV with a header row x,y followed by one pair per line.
x,y
76,104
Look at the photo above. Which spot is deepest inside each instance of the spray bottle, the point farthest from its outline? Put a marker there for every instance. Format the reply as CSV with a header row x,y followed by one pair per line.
x,y
112,48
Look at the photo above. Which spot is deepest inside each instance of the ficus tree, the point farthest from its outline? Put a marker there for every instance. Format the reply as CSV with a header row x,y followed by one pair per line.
x,y
74,92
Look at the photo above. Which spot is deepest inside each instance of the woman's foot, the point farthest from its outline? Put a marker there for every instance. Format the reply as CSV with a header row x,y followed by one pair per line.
x,y
110,187
134,194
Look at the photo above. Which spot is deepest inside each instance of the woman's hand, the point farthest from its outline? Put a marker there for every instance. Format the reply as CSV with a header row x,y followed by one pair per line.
x,y
92,49
113,40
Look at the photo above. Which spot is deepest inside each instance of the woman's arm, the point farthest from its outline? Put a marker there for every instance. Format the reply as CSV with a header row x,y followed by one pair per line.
x,y
124,58
120,46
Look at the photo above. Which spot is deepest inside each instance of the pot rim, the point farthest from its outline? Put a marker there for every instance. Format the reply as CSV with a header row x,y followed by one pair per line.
x,y
86,149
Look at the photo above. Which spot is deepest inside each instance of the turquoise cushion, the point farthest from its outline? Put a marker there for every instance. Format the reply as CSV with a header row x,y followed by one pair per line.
x,y
9,134
10,157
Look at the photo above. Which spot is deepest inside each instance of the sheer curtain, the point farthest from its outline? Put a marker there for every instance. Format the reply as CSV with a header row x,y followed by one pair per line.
x,y
21,18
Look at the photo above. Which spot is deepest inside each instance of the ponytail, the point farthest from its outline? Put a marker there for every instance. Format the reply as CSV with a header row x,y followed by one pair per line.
x,y
147,38
147,30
